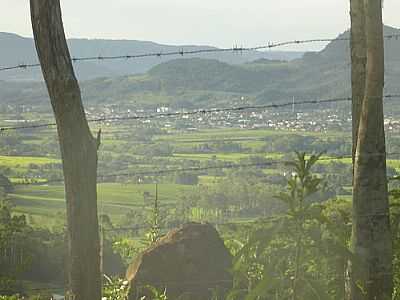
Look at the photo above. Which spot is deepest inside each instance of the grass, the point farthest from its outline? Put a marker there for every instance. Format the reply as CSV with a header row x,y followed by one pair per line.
x,y
114,199
234,133
117,199
390,162
328,160
394,164
209,180
25,161
230,157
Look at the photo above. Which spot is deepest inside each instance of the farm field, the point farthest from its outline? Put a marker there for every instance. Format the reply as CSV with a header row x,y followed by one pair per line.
x,y
231,157
25,161
217,134
114,199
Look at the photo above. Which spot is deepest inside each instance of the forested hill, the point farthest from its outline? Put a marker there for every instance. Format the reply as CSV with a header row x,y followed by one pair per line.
x,y
17,50
195,82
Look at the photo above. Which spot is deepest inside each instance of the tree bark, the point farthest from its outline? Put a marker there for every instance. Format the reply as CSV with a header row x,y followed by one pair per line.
x,y
78,150
371,225
358,44
358,64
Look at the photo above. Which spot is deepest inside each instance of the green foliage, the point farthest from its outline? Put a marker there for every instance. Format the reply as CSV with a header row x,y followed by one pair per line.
x,y
5,186
128,248
154,233
154,218
14,297
187,178
115,289
47,201
8,285
15,242
156,294
240,194
395,227
301,254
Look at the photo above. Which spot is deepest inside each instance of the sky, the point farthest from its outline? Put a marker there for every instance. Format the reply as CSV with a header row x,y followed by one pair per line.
x,y
221,23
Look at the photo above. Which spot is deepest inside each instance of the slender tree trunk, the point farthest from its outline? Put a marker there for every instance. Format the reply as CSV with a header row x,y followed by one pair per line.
x,y
358,43
371,227
299,247
298,254
78,150
358,64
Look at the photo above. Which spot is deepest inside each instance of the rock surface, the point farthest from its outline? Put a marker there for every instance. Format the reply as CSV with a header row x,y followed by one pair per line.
x,y
190,262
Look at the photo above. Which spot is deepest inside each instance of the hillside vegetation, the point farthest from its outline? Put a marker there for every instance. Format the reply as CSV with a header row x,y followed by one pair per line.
x,y
17,50
195,82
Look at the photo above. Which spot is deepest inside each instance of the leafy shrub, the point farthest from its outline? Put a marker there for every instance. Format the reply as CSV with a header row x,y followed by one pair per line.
x,y
115,289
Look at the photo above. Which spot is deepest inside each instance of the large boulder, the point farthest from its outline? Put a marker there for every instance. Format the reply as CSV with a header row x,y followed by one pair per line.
x,y
190,262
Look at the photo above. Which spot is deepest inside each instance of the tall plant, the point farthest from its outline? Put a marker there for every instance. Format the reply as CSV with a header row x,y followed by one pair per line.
x,y
288,256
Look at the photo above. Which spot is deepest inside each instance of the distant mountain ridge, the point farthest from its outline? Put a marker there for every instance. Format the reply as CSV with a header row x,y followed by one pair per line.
x,y
199,82
17,50
204,82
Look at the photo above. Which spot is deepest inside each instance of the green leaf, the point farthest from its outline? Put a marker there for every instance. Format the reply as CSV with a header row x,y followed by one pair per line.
x,y
315,289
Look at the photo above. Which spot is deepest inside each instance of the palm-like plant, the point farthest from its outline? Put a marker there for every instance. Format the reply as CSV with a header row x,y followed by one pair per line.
x,y
285,256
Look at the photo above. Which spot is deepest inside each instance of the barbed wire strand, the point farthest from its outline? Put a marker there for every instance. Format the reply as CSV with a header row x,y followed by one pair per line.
x,y
200,111
182,52
103,178
204,111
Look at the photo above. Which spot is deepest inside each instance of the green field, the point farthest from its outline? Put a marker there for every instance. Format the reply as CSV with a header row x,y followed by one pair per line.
x,y
114,199
234,133
231,157
25,161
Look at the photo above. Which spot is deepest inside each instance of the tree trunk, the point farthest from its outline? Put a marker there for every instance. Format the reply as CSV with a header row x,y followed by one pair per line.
x,y
358,44
78,150
358,64
371,227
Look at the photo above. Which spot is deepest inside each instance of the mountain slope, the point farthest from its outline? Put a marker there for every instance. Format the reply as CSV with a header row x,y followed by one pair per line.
x,y
17,50
195,82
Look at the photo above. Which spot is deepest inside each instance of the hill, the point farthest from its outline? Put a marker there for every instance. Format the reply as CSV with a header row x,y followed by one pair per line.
x,y
203,82
16,50
195,82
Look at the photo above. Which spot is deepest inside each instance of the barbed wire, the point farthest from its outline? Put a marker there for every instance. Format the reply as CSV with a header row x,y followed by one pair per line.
x,y
311,101
225,166
55,288
141,285
182,52
103,178
217,140
234,49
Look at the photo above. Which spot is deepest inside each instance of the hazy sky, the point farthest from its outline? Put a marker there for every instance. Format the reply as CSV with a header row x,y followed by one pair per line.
x,y
220,23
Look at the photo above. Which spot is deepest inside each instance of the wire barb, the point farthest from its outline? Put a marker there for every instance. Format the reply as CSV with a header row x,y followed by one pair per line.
x,y
200,111
267,46
104,178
